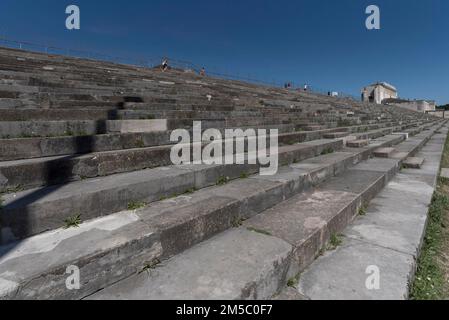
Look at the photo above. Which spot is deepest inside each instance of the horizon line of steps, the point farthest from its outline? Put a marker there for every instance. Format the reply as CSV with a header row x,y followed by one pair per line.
x,y
268,252
157,232
24,174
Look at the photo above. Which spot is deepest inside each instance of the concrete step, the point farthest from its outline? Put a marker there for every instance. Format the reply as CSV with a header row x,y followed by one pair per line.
x,y
56,115
25,174
33,129
170,227
294,231
36,128
33,211
26,148
28,129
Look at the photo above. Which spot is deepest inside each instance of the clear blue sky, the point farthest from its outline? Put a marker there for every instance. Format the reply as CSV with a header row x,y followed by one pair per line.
x,y
320,42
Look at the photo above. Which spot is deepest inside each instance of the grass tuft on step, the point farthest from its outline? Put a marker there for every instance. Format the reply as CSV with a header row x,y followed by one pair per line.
x,y
72,222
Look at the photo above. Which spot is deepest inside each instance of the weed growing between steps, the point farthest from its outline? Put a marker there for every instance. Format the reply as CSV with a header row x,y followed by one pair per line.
x,y
135,205
72,222
327,151
238,222
432,277
294,281
335,241
244,175
148,267
140,143
362,211
190,191
222,181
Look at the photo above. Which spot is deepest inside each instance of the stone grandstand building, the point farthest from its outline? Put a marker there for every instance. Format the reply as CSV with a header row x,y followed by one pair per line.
x,y
87,184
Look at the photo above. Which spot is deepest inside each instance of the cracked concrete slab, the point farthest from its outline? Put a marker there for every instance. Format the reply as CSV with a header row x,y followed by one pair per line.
x,y
212,270
342,274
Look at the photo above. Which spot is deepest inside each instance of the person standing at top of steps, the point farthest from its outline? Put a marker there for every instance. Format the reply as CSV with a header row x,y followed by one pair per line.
x,y
203,72
164,65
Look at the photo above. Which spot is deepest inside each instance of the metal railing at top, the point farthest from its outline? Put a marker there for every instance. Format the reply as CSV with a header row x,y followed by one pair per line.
x,y
151,62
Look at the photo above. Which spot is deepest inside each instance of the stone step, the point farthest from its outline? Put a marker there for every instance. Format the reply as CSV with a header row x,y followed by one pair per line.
x,y
56,115
25,174
413,163
33,211
34,129
26,148
384,152
171,227
335,135
358,143
27,129
299,228
313,127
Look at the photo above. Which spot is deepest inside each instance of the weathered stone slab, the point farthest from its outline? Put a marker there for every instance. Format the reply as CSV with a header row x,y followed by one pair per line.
x,y
405,134
357,143
413,163
341,274
37,210
313,128
307,221
37,265
367,184
213,270
38,172
335,135
399,155
384,152
133,126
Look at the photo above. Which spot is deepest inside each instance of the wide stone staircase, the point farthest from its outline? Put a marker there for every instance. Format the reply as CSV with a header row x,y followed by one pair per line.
x,y
86,180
